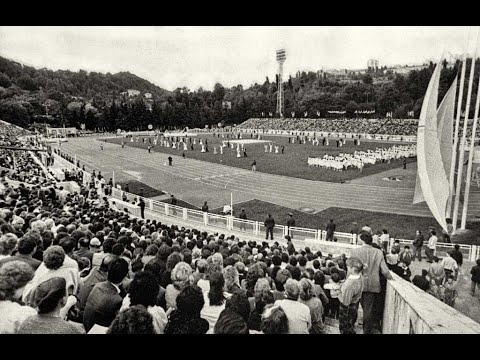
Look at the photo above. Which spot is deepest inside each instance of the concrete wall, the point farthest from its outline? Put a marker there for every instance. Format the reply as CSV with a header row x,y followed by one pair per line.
x,y
410,310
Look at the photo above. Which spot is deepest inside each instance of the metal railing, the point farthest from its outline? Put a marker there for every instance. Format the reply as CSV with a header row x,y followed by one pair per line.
x,y
471,252
248,226
298,233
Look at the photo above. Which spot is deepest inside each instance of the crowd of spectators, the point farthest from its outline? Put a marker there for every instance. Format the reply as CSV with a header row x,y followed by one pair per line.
x,y
404,127
71,264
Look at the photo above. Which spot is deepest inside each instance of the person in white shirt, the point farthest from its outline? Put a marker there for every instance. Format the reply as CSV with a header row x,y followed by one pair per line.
x,y
62,195
431,246
450,266
384,240
215,300
298,314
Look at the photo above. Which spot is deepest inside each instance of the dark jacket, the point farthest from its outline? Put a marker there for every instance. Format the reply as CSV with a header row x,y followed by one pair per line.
x,y
290,221
94,278
418,242
421,282
102,306
243,215
269,222
457,256
331,228
405,274
475,274
34,263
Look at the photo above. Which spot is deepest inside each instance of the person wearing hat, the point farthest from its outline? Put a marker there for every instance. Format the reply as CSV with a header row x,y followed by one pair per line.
x,y
290,222
243,216
95,246
350,295
51,301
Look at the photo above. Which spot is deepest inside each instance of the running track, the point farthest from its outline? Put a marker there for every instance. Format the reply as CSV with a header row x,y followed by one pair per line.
x,y
196,181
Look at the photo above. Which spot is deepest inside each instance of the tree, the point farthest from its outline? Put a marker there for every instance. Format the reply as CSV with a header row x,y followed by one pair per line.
x,y
218,92
26,83
5,80
367,79
350,108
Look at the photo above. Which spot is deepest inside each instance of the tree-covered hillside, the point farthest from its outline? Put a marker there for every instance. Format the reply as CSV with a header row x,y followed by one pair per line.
x,y
28,95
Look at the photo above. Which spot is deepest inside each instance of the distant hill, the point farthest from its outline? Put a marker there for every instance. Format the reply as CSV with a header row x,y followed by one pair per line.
x,y
126,101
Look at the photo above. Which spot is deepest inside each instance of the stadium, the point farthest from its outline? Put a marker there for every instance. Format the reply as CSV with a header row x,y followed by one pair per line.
x,y
271,224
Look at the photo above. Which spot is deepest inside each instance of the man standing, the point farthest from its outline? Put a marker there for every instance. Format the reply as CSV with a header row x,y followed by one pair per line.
x,y
417,245
205,207
457,255
290,222
475,271
404,163
374,263
431,246
450,266
170,160
173,201
449,232
330,230
254,165
243,216
354,233
269,225
141,203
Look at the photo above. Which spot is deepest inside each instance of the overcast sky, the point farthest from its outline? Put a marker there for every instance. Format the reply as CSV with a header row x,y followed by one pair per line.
x,y
172,57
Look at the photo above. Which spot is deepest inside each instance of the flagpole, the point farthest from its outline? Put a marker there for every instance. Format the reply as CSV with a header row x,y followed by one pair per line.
x,y
470,163
464,136
455,141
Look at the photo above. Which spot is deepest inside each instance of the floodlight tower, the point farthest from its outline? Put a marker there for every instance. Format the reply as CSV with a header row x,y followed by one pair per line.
x,y
281,57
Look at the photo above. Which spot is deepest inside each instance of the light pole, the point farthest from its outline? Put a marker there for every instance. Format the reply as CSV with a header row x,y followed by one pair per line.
x,y
231,197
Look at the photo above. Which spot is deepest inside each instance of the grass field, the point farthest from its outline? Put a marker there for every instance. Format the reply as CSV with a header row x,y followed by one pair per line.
x,y
398,226
292,163
135,186
182,203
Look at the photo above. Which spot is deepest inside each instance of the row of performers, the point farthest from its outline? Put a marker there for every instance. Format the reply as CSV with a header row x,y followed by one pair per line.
x,y
360,158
